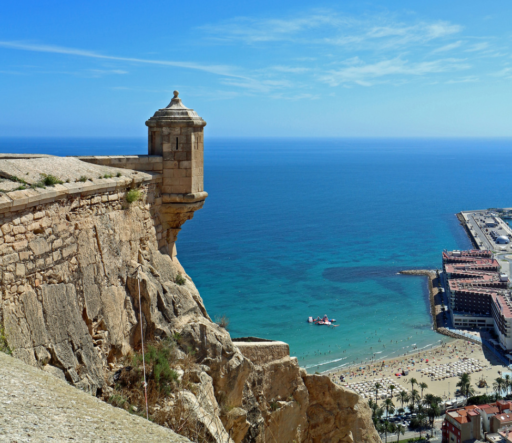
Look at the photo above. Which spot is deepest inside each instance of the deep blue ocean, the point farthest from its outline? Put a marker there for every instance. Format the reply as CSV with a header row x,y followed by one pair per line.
x,y
305,227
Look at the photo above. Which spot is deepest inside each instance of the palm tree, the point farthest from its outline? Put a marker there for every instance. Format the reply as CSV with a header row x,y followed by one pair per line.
x,y
414,397
404,398
413,382
391,388
400,429
464,384
377,414
508,382
389,427
498,386
388,407
422,420
423,386
433,409
377,387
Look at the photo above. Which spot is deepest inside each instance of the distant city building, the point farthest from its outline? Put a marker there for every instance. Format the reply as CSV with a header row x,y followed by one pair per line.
x,y
502,319
471,423
472,279
476,290
461,425
478,294
491,223
501,421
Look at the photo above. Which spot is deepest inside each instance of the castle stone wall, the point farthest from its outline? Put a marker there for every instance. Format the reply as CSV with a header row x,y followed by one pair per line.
x,y
263,352
147,163
64,267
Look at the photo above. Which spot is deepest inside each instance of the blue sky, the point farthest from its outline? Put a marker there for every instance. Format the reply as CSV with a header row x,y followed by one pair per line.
x,y
265,68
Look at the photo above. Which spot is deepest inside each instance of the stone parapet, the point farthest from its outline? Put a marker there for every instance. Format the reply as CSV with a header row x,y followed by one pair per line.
x,y
30,192
152,163
261,351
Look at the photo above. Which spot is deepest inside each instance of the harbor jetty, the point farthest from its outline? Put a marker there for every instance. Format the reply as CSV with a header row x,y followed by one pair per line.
x,y
435,301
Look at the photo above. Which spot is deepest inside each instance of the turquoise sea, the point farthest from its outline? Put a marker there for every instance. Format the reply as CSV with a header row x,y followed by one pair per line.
x,y
306,227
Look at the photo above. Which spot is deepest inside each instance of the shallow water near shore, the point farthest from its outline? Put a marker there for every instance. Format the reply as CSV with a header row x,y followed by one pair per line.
x,y
306,227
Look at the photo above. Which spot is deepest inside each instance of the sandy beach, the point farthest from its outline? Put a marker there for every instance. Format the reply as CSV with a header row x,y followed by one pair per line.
x,y
455,356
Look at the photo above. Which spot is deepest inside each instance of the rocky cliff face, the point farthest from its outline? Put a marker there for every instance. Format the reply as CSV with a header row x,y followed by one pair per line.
x,y
71,272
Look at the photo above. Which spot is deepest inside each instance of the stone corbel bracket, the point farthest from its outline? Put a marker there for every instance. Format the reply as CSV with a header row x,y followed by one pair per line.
x,y
176,209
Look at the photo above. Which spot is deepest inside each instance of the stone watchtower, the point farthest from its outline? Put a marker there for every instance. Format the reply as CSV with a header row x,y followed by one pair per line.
x,y
176,134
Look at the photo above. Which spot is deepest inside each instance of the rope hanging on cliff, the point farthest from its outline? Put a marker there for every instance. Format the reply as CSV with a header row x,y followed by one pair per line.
x,y
142,340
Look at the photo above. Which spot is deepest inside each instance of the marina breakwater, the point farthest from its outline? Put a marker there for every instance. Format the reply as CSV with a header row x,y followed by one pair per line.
x,y
471,238
435,301
439,324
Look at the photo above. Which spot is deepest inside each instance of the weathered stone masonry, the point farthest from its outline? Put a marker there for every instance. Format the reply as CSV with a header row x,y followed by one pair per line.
x,y
63,266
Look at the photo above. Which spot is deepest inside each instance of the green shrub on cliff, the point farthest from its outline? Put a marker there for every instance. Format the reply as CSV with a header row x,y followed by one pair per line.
x,y
223,321
133,195
4,346
171,376
180,280
50,180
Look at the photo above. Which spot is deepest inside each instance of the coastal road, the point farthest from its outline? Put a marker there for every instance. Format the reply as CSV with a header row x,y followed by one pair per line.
x,y
414,434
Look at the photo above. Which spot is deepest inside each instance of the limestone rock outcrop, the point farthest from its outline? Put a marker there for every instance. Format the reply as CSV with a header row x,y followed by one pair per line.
x,y
336,414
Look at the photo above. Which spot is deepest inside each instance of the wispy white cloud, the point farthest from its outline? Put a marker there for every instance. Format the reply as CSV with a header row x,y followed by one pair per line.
x,y
253,31
504,73
331,28
295,97
448,47
400,34
291,69
467,79
223,70
324,46
367,74
261,85
109,71
478,47
13,72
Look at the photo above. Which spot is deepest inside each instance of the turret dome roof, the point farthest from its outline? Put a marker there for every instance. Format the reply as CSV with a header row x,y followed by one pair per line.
x,y
176,112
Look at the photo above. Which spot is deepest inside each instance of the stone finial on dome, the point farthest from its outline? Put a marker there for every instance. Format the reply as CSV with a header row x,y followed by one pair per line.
x,y
176,112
